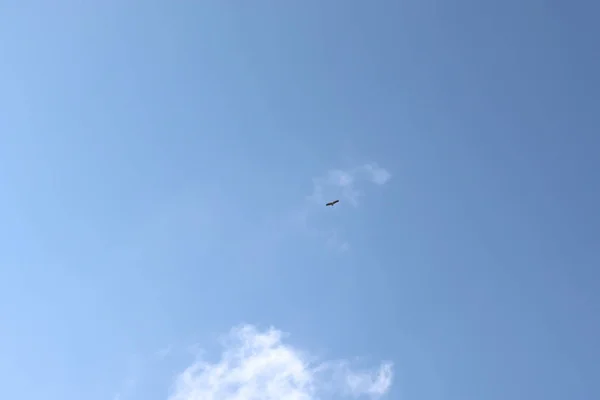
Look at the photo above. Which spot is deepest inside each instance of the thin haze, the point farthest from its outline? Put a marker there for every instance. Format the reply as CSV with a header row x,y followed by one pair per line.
x,y
164,169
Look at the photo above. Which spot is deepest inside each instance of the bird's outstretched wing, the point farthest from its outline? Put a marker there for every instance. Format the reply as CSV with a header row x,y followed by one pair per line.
x,y
332,203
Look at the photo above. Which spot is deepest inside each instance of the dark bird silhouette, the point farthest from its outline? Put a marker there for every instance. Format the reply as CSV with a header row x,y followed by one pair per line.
x,y
332,203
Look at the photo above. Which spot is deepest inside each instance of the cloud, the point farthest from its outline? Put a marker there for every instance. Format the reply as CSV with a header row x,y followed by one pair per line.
x,y
344,184
377,175
127,388
311,219
164,352
333,240
258,365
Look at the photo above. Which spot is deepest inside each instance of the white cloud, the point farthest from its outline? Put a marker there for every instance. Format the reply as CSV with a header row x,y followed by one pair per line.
x,y
376,174
317,222
344,184
258,365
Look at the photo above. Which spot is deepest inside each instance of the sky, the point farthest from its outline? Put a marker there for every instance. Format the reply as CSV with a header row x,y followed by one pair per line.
x,y
163,172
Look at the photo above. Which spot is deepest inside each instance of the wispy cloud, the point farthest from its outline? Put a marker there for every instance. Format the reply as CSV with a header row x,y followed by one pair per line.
x,y
137,368
258,365
346,184
334,241
164,352
127,388
377,175
312,219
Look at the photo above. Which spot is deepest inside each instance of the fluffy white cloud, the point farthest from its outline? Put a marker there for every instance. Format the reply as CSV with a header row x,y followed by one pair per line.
x,y
344,184
258,365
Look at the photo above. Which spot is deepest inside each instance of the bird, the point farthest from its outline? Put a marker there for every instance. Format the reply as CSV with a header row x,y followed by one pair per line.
x,y
332,203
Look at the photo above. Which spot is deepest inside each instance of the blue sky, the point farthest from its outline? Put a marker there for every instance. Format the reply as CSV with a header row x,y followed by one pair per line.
x,y
163,167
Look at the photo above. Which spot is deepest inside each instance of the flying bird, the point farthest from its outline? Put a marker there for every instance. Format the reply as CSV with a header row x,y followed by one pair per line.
x,y
332,203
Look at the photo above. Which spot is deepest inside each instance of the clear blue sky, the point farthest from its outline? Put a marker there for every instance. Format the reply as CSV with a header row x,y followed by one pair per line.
x,y
156,159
